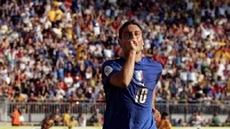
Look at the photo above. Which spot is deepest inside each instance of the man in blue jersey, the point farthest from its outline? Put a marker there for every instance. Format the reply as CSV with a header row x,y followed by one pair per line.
x,y
129,83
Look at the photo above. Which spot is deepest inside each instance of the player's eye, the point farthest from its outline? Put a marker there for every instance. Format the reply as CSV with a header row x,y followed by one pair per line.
x,y
129,35
138,34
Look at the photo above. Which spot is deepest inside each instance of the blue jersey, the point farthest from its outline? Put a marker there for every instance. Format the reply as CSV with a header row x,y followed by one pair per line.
x,y
131,107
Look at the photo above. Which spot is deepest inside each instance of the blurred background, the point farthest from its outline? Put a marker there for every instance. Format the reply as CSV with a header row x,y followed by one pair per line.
x,y
51,53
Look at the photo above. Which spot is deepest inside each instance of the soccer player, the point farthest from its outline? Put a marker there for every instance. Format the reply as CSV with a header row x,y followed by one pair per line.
x,y
129,83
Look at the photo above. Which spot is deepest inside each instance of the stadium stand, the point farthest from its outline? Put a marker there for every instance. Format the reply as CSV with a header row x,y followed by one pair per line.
x,y
51,53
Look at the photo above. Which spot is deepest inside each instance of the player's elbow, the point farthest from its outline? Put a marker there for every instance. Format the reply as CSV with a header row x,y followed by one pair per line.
x,y
124,84
120,83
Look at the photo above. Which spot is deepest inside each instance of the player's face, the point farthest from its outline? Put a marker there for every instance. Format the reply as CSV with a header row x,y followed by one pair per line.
x,y
131,33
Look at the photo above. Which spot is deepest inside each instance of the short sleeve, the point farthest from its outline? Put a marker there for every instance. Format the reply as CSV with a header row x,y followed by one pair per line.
x,y
108,69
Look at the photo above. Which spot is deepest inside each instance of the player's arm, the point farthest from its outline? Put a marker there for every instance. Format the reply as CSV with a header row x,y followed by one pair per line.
x,y
124,76
155,90
157,114
154,98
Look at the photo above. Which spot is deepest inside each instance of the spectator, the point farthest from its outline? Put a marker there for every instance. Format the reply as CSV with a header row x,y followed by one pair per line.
x,y
57,118
96,119
165,122
73,123
68,80
47,123
215,120
82,120
15,117
227,121
66,117
198,119
181,123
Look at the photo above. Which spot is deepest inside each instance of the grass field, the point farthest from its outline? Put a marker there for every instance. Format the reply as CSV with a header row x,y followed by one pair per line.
x,y
33,127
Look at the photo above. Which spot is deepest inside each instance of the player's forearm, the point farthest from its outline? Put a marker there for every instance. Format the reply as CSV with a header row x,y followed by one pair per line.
x,y
153,99
124,77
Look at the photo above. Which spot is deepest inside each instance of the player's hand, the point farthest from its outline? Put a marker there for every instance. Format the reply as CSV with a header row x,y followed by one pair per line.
x,y
130,48
132,45
157,114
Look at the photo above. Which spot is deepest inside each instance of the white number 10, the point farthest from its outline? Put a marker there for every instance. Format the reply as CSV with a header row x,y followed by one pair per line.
x,y
141,95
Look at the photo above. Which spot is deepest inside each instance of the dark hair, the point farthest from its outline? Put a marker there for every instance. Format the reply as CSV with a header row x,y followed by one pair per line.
x,y
164,114
130,22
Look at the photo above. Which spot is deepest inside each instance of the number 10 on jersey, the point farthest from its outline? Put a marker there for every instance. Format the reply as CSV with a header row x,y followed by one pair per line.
x,y
141,95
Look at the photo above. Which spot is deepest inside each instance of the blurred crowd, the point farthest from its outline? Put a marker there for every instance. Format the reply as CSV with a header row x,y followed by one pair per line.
x,y
197,119
52,50
60,118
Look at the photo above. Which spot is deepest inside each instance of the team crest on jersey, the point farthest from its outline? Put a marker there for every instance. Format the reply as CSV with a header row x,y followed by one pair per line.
x,y
139,75
108,70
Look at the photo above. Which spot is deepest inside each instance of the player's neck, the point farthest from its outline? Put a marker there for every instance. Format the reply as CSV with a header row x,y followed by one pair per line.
x,y
138,57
